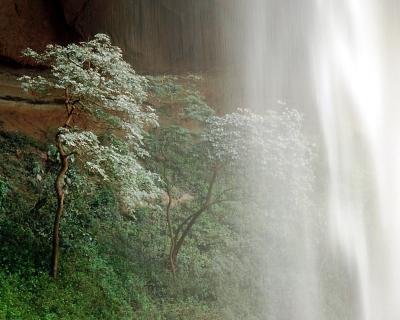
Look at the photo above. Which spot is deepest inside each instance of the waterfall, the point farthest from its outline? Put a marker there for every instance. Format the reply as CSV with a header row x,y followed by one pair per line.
x,y
337,61
355,75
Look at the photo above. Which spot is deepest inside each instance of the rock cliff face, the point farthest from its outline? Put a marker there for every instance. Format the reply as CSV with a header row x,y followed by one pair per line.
x,y
31,23
156,35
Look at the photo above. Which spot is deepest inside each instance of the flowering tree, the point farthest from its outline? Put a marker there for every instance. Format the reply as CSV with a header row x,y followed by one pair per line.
x,y
217,166
97,84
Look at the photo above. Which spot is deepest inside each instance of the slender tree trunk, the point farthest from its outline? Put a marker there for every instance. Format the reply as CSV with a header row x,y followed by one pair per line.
x,y
172,257
171,263
185,227
177,242
59,188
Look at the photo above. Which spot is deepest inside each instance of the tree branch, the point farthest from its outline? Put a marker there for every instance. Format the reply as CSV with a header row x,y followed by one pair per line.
x,y
192,219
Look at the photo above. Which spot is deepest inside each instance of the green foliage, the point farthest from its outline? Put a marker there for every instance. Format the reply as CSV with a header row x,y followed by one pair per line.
x,y
111,268
89,286
115,263
3,193
260,161
90,289
14,300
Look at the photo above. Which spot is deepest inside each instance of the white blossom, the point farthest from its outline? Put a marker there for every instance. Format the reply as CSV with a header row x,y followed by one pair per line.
x,y
96,81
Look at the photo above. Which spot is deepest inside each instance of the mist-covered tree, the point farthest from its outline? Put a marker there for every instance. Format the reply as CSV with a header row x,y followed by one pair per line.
x,y
97,86
212,164
279,204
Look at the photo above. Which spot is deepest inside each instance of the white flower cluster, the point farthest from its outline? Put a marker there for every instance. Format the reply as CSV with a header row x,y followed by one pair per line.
x,y
136,185
96,81
272,142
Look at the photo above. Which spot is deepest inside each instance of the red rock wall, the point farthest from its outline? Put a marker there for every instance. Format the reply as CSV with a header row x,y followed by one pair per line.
x,y
156,35
31,23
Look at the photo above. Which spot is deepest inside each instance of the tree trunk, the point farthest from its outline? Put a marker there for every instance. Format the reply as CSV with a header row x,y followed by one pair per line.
x,y
59,188
185,227
171,263
172,258
177,242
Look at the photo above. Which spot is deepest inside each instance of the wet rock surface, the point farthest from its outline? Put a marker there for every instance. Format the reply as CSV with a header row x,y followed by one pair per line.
x,y
156,35
27,23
